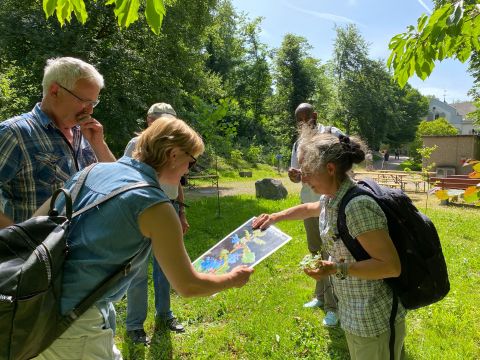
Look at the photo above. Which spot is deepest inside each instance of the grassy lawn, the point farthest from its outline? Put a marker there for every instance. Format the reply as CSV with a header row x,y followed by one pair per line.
x,y
265,319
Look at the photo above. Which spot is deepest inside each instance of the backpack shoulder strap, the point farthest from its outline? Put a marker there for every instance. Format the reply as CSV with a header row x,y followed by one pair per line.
x,y
80,181
113,194
351,244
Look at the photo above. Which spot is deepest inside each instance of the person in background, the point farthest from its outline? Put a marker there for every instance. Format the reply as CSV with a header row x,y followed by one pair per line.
x,y
364,299
369,161
137,294
41,149
144,220
306,116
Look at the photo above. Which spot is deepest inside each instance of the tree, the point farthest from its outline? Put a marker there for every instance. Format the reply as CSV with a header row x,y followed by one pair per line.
x,y
295,80
451,31
349,56
139,67
440,126
408,108
126,11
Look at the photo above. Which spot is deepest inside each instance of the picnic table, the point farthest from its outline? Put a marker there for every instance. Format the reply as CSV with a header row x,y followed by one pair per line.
x,y
396,179
386,178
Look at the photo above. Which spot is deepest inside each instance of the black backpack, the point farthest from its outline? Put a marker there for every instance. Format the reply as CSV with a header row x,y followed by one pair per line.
x,y
424,277
32,254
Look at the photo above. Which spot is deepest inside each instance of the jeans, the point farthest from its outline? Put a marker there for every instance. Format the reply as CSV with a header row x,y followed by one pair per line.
x,y
137,296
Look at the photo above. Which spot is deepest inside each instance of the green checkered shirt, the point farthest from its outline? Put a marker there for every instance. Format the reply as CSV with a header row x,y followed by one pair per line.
x,y
364,306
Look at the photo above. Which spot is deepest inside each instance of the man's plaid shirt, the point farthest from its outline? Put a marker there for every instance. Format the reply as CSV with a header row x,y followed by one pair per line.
x,y
35,160
364,306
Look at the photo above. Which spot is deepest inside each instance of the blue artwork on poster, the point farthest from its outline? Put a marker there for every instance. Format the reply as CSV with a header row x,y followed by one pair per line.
x,y
244,246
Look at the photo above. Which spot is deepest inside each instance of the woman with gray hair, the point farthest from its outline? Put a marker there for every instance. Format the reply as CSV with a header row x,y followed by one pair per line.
x,y
364,299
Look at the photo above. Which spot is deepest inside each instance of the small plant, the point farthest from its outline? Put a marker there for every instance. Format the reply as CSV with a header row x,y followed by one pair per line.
x,y
254,153
311,262
236,158
426,153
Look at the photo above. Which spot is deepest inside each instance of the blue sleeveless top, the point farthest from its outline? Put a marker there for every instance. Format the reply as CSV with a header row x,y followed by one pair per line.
x,y
102,239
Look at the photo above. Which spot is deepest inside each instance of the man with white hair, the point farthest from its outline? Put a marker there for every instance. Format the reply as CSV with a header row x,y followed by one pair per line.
x,y
41,149
137,294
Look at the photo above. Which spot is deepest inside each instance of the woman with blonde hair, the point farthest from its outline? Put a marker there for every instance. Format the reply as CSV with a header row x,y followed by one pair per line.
x,y
104,238
364,299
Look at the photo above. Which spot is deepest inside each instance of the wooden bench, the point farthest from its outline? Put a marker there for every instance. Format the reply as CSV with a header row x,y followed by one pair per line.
x,y
460,182
453,182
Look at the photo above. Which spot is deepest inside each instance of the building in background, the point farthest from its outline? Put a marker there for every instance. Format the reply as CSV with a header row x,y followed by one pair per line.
x,y
456,114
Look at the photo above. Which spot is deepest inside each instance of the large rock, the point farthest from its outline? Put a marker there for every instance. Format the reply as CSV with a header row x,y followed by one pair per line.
x,y
270,189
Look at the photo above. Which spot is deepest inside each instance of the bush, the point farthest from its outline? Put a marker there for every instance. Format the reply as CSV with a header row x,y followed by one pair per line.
x,y
411,165
254,154
236,159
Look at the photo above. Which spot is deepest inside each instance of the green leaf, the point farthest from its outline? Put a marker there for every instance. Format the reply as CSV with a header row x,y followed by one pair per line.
x,y
61,5
441,14
48,7
80,10
464,54
154,12
126,11
390,58
422,20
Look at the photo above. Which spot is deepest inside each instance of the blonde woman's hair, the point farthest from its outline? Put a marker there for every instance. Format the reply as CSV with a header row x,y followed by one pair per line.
x,y
157,141
317,150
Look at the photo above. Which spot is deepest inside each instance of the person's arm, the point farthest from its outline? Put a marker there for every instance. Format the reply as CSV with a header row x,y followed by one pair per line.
x,y
92,130
160,223
299,212
5,220
367,223
384,262
294,173
181,210
10,164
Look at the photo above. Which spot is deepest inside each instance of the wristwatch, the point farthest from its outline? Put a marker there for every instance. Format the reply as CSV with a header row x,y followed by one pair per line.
x,y
341,270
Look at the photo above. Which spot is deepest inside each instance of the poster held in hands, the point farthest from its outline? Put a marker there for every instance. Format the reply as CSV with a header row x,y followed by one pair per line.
x,y
243,246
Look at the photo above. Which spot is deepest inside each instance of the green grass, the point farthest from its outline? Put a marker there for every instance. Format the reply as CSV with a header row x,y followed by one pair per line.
x,y
265,319
260,171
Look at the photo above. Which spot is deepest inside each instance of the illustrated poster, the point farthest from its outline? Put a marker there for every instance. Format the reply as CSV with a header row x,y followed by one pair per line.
x,y
243,246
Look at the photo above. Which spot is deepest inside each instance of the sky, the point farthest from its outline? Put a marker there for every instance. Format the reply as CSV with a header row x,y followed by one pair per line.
x,y
377,20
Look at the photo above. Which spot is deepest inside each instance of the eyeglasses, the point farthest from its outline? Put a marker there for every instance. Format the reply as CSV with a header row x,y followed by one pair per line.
x,y
93,103
191,163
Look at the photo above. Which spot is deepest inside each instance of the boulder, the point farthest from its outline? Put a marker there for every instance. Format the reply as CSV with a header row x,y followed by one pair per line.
x,y
270,189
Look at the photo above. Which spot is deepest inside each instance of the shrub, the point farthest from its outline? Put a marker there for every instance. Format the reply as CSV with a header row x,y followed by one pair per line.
x,y
236,159
411,165
254,153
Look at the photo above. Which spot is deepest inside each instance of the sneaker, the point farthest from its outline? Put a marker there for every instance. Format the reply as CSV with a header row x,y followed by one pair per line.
x,y
138,336
313,303
174,325
330,319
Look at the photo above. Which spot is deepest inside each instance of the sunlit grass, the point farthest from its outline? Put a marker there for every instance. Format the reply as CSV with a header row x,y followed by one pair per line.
x,y
266,319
